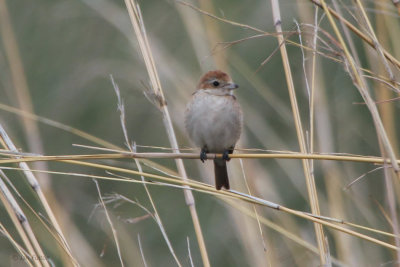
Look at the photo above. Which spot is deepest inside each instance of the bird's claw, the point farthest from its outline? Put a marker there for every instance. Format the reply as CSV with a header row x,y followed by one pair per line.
x,y
203,155
225,155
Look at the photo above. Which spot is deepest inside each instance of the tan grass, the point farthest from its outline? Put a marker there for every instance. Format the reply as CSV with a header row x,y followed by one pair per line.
x,y
204,188
158,95
267,222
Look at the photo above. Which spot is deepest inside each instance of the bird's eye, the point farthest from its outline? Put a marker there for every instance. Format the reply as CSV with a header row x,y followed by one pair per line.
x,y
215,83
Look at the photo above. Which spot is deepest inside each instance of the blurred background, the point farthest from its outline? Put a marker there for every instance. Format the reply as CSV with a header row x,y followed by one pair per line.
x,y
56,58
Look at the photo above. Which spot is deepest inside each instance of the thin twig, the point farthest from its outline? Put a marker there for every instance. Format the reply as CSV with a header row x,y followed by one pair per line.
x,y
360,177
254,208
22,224
355,30
132,148
280,229
311,188
361,86
208,189
22,253
388,173
114,232
210,156
138,25
30,177
20,85
189,252
141,251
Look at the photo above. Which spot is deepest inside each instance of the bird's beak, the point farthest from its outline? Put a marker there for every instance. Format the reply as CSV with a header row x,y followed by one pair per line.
x,y
231,86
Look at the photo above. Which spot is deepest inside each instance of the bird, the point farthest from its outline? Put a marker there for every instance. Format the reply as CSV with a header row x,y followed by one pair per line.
x,y
213,121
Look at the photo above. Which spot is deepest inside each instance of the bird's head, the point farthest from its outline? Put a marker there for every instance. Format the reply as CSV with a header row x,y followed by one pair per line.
x,y
217,82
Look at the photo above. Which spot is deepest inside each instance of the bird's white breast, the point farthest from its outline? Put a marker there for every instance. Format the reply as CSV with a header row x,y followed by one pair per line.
x,y
214,121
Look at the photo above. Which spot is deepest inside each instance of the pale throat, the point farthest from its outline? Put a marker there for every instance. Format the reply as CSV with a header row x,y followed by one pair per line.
x,y
218,91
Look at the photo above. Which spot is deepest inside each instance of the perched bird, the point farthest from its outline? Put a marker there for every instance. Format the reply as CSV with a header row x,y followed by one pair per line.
x,y
213,120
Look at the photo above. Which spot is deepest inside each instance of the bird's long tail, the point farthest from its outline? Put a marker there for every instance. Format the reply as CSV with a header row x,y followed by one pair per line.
x,y
221,174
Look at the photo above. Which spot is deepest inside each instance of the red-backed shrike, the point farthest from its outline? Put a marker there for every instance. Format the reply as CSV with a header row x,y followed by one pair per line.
x,y
213,120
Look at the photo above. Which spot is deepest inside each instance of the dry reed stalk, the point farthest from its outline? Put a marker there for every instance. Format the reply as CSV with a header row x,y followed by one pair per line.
x,y
346,249
355,30
22,225
312,89
331,174
149,155
20,85
233,23
377,46
255,210
30,177
245,228
258,249
114,232
189,253
390,194
388,112
200,187
141,251
207,33
17,223
138,25
311,188
80,133
264,33
204,188
361,86
19,248
115,198
132,149
282,230
388,119
73,232
58,125
344,230
21,91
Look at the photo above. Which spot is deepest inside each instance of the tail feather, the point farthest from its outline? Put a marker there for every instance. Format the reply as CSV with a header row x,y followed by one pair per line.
x,y
221,174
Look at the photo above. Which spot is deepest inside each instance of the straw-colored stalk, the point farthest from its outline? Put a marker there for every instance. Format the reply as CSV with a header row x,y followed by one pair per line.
x,y
355,30
204,188
389,175
351,27
20,85
198,186
362,87
22,225
31,178
388,118
138,25
278,228
159,155
113,231
157,217
364,92
17,247
311,188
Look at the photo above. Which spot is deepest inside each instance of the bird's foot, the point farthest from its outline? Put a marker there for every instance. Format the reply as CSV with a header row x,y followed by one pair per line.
x,y
225,155
203,154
